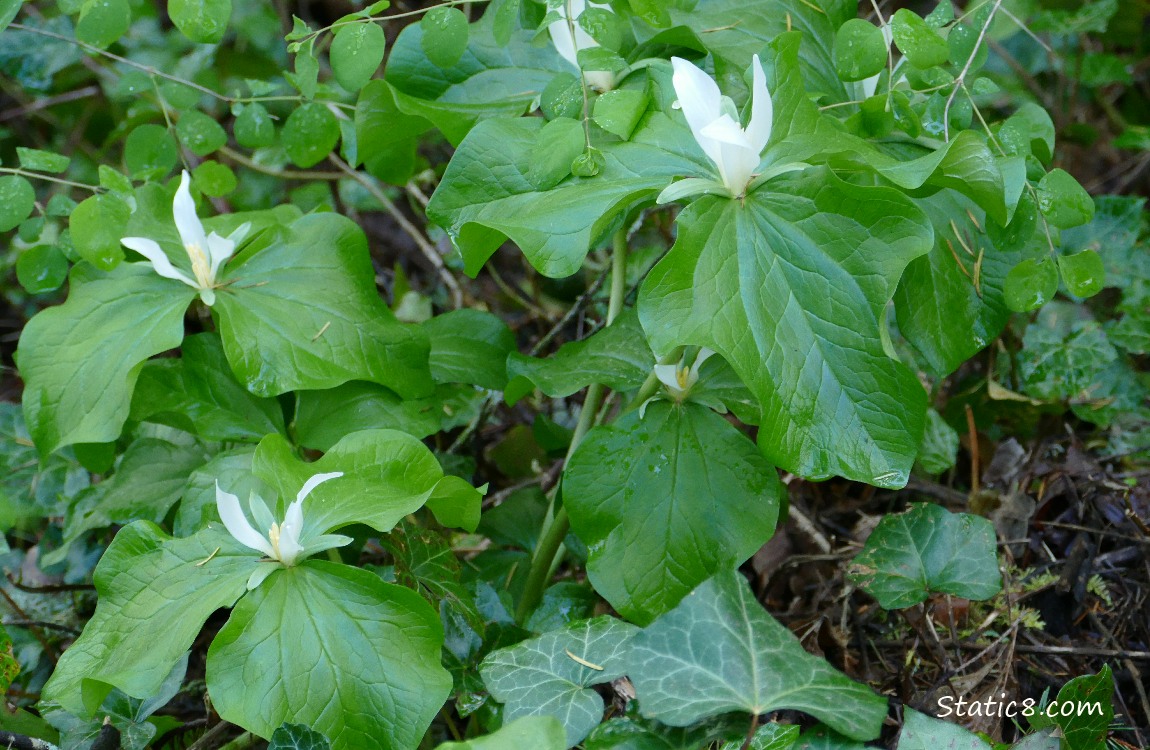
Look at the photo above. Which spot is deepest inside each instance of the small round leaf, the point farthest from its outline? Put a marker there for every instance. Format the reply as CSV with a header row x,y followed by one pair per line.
x,y
444,35
17,199
214,179
1030,285
200,133
356,53
860,50
254,127
921,44
202,21
1065,202
97,225
310,134
1083,273
42,268
102,22
149,152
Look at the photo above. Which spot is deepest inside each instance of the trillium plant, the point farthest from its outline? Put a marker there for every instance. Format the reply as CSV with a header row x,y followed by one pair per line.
x,y
444,478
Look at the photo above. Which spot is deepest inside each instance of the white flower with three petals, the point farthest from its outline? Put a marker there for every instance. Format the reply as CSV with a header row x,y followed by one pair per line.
x,y
207,252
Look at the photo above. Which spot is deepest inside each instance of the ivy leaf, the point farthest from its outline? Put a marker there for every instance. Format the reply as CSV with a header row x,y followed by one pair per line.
x,y
719,651
633,732
281,334
666,500
330,620
197,393
778,285
551,675
922,732
535,732
297,737
386,476
928,549
109,325
154,598
202,21
356,53
1085,729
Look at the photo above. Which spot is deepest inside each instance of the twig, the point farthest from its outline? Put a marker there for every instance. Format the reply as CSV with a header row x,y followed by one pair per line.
x,y
960,82
208,738
285,174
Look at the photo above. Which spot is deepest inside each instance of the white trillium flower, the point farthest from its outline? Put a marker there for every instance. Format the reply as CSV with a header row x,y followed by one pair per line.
x,y
678,378
714,121
286,543
569,38
207,252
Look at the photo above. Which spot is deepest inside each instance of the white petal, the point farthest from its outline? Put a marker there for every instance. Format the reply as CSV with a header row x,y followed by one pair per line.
x,y
600,80
237,524
290,530
668,375
326,542
184,212
700,100
762,108
736,165
703,355
219,250
151,250
725,130
314,482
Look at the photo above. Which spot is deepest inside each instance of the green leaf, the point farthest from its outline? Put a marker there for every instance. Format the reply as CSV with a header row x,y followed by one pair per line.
x,y
860,50
386,476
387,137
939,450
17,199
1064,353
254,127
1065,203
8,11
197,393
469,346
535,732
1083,273
214,179
201,134
281,333
666,500
42,161
444,35
1030,284
425,562
928,549
770,736
777,285
921,44
633,732
149,152
719,651
97,225
620,110
41,268
233,470
330,620
922,732
1113,234
550,676
103,22
1086,727
651,11
109,325
557,145
140,629
356,53
297,737
617,356
202,21
309,134
323,417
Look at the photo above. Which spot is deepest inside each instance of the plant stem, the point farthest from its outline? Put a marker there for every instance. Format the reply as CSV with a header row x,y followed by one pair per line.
x,y
551,538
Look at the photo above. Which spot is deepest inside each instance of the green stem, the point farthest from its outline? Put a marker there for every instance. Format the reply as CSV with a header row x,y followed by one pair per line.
x,y
551,539
48,178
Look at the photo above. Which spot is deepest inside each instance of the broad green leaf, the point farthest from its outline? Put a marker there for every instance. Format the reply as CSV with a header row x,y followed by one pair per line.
x,y
1113,234
387,137
1030,284
1064,353
1047,739
469,346
1065,203
922,732
233,470
939,449
42,161
356,53
97,225
860,50
921,44
550,675
1083,273
109,325
200,133
719,651
445,35
300,310
928,549
1083,710
770,736
17,199
30,490
666,500
306,647
103,22
633,732
309,135
490,79
253,127
535,732
202,21
197,393
563,603
297,737
425,562
8,11
41,268
154,599
617,356
386,476
791,286
149,152
822,737
950,304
